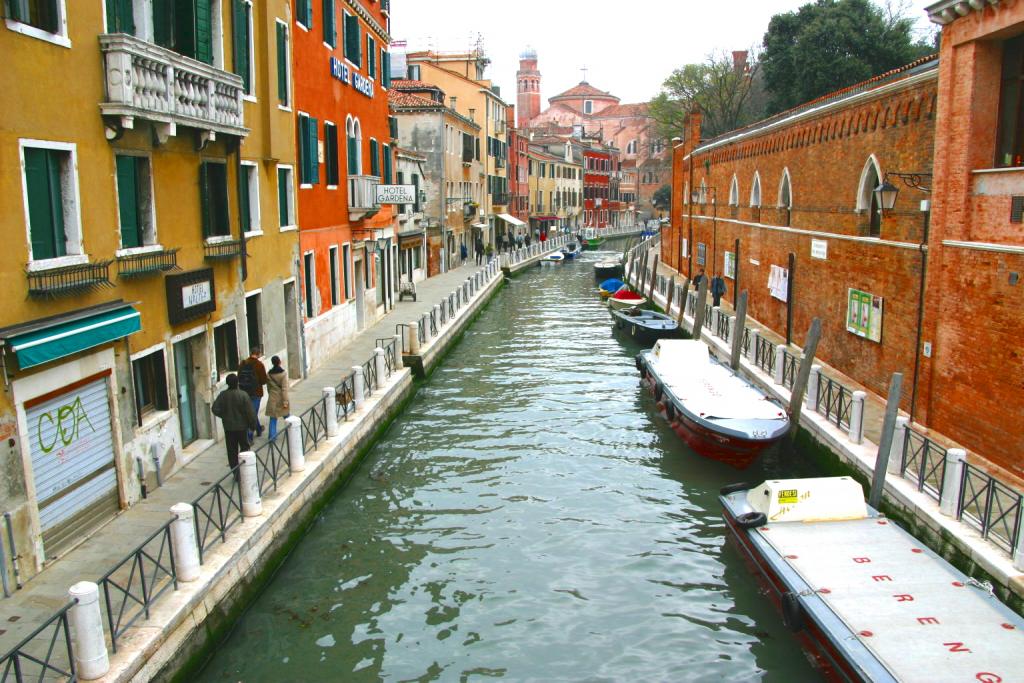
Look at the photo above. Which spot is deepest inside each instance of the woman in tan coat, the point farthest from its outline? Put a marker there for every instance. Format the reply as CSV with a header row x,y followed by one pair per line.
x,y
277,401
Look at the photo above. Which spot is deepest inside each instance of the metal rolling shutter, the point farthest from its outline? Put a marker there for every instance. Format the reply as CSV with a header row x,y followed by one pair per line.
x,y
72,450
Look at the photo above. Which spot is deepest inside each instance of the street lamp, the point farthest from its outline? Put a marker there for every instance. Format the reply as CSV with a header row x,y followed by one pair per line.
x,y
886,192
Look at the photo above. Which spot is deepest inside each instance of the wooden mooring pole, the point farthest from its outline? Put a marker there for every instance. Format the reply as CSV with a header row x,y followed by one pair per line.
x,y
796,399
698,315
682,302
892,406
737,331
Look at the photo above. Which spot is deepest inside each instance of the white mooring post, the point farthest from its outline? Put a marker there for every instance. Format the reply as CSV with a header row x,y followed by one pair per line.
x,y
426,328
252,504
86,623
412,332
330,398
437,315
811,398
296,458
780,362
899,438
382,366
358,386
1018,555
754,334
955,458
399,363
183,542
857,417
732,327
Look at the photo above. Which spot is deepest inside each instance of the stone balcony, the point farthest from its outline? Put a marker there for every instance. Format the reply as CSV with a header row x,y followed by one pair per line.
x,y
362,196
149,82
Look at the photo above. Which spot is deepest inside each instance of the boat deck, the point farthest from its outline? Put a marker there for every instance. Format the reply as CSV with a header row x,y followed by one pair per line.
x,y
922,619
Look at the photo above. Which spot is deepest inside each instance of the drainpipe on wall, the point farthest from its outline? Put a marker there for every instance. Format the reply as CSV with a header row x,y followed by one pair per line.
x,y
443,207
923,248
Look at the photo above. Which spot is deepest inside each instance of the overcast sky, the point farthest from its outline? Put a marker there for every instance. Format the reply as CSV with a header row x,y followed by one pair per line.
x,y
628,56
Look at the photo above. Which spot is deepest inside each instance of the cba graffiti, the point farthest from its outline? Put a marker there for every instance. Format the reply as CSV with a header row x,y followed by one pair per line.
x,y
66,424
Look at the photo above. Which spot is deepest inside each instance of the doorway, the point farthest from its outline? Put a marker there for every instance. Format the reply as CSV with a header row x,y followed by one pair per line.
x,y
186,391
360,294
293,344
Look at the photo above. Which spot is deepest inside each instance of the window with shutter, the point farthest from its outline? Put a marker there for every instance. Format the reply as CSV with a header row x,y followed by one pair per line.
x,y
352,39
330,32
43,14
128,204
331,153
313,130
416,193
386,153
244,206
203,31
284,209
213,186
282,64
303,149
119,17
374,159
352,149
243,42
304,12
371,56
45,203
385,68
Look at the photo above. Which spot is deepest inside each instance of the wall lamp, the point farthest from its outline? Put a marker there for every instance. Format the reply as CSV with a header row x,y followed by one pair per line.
x,y
885,194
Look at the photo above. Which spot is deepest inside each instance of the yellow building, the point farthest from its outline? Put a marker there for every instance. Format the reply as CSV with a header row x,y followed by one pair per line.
x,y
149,229
461,76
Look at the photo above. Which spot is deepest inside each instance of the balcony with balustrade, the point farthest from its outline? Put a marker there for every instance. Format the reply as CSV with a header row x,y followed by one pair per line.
x,y
362,196
149,82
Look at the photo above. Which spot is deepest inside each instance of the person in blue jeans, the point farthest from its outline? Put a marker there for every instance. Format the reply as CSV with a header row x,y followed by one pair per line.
x,y
252,377
277,395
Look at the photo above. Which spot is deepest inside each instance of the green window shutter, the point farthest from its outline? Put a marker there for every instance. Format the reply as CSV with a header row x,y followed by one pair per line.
x,y
163,22
204,198
393,127
331,153
385,67
308,13
282,64
242,40
219,199
244,210
119,16
350,146
45,204
282,197
416,193
204,31
313,130
371,56
374,159
352,39
330,32
387,164
128,201
305,152
304,12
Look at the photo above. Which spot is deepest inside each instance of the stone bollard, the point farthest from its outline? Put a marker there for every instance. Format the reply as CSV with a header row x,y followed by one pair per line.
x,y
183,542
382,366
1018,556
249,484
296,458
899,439
426,328
857,417
399,361
732,327
780,362
437,313
469,283
330,398
754,334
86,622
465,291
358,386
412,333
951,481
811,397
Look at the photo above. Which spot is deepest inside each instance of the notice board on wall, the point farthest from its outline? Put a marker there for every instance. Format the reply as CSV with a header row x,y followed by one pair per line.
x,y
864,315
778,282
729,265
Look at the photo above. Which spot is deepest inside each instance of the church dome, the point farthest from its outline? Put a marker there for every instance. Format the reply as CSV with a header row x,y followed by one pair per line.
x,y
528,53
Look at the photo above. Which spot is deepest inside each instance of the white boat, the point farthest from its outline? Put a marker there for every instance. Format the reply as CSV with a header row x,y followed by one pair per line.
x,y
553,257
626,298
715,411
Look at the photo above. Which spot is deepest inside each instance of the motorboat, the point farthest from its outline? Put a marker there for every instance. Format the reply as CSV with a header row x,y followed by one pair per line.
x,y
717,412
607,268
572,250
866,600
592,238
644,326
610,286
626,298
553,257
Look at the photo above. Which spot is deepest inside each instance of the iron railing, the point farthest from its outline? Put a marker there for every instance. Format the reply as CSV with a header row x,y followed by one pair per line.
x,y
990,506
745,344
388,344
444,313
218,251
764,355
370,380
149,263
216,510
433,323
834,401
790,364
42,658
345,396
137,581
722,327
924,463
68,280
314,424
272,462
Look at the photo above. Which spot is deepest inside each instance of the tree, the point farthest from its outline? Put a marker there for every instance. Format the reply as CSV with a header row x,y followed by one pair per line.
x,y
724,91
830,44
662,197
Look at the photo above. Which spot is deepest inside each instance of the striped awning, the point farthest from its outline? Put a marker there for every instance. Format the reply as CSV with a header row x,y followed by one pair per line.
x,y
47,339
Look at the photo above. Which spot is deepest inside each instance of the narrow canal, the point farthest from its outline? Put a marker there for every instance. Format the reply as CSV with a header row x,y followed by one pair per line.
x,y
527,517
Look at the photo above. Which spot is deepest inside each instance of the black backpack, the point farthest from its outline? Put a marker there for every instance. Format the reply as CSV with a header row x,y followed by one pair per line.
x,y
246,378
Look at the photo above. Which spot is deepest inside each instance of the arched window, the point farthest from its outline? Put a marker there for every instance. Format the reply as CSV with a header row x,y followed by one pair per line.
x,y
870,178
755,191
785,191
353,138
631,147
734,192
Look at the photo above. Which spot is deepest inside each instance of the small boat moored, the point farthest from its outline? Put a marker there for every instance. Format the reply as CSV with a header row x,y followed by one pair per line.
x,y
607,268
646,327
865,598
610,286
592,238
626,298
715,411
553,257
572,250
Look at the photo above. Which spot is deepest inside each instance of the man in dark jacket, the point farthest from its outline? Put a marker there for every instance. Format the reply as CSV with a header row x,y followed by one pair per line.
x,y
717,290
252,377
234,408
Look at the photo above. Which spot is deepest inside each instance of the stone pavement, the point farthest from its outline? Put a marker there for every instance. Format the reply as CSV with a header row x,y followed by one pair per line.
x,y
47,592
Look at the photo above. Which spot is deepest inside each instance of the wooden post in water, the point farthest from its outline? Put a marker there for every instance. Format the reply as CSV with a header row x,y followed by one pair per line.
x,y
796,399
698,315
892,406
670,294
737,331
682,301
654,278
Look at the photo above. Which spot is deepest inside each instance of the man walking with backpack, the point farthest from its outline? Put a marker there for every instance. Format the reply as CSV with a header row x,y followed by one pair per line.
x,y
252,377
235,409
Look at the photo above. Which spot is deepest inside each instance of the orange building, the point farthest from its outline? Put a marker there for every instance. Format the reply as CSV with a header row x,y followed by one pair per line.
x,y
345,148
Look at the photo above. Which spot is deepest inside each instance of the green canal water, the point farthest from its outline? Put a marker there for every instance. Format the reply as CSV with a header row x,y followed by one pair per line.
x,y
527,517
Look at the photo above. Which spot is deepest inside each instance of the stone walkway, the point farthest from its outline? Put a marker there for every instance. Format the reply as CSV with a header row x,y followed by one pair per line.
x,y
47,592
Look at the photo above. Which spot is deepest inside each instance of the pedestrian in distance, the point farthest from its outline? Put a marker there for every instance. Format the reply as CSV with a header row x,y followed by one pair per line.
x,y
277,395
717,290
235,410
252,377
479,248
697,280
463,252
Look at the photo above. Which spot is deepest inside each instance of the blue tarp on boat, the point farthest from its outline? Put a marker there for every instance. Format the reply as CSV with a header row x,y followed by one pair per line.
x,y
612,284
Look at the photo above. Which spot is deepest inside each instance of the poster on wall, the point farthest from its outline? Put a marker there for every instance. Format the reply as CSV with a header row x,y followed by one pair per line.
x,y
684,248
729,265
778,282
864,315
701,253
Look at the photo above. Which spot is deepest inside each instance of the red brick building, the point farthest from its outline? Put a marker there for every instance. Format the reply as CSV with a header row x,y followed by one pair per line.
x,y
518,169
597,172
790,199
973,382
341,73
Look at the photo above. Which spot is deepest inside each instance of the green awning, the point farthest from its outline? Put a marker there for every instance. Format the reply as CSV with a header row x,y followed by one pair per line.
x,y
44,341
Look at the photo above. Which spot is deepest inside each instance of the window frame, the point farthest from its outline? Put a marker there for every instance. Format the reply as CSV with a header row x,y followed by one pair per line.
x,y
150,235
289,194
229,367
282,33
309,285
59,37
210,237
346,271
74,248
260,329
253,187
249,94
334,270
155,407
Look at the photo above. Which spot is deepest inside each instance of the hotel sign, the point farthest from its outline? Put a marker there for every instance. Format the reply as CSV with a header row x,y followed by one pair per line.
x,y
341,71
396,194
190,295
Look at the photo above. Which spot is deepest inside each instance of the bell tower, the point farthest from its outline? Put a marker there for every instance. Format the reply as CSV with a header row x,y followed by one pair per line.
x,y
527,88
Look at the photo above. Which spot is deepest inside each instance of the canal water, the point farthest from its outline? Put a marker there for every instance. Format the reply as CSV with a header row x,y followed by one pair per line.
x,y
527,517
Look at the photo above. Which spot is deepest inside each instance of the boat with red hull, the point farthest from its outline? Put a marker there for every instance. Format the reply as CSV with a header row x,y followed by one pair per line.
x,y
863,597
715,411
